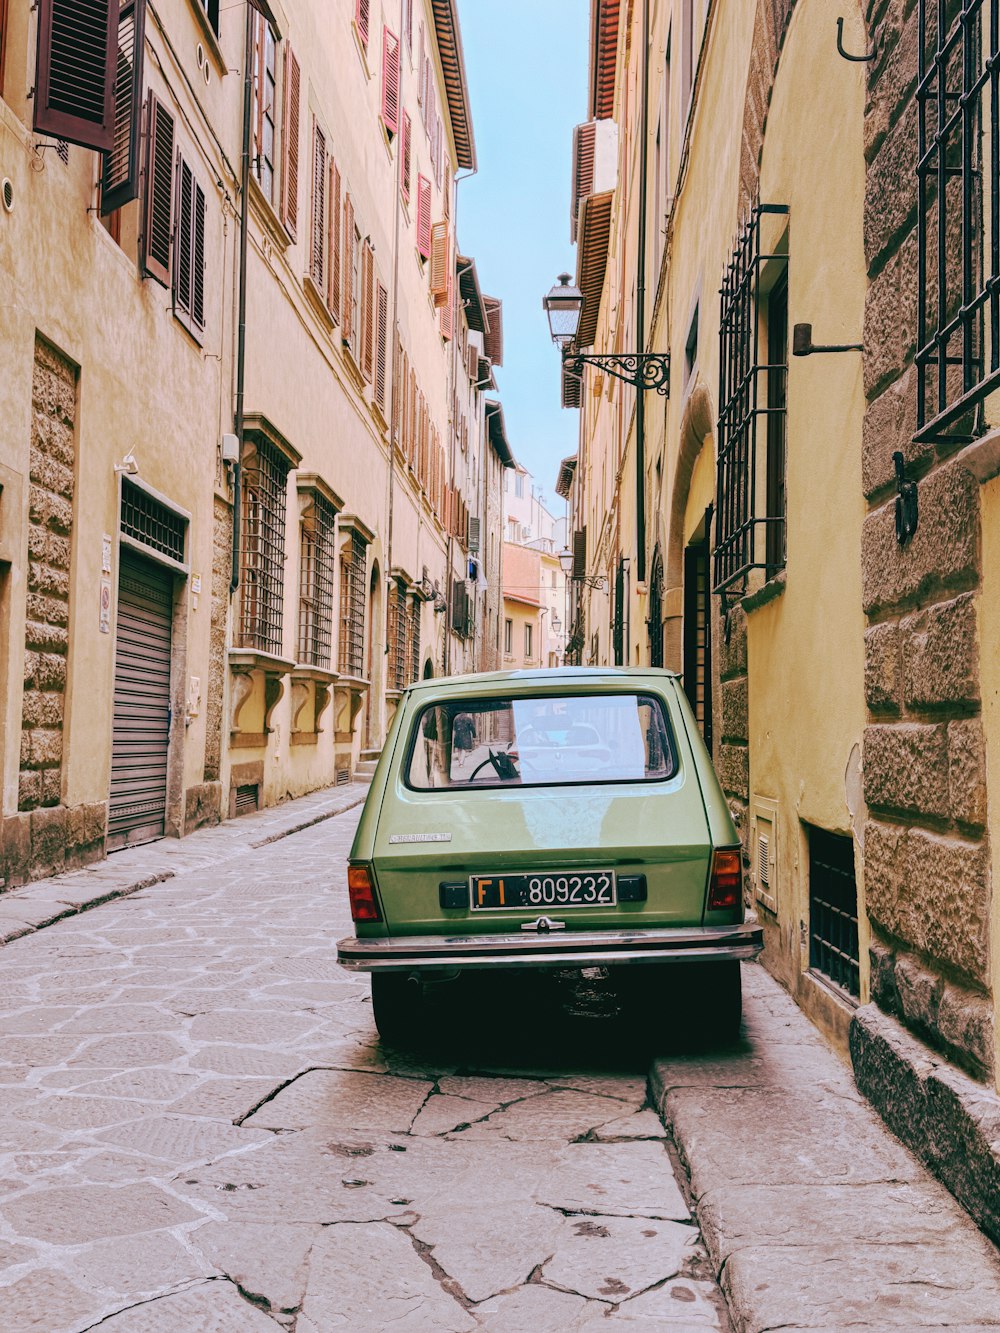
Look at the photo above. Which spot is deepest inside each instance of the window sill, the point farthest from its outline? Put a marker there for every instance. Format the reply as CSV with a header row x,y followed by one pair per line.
x,y
767,592
317,301
253,659
266,214
320,675
210,39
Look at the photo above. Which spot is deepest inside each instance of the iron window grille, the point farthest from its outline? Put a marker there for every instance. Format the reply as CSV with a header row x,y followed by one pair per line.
x,y
399,629
262,553
958,266
413,638
619,614
316,578
353,571
750,388
698,634
833,910
146,520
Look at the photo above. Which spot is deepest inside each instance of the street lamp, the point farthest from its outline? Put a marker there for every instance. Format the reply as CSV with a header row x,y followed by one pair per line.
x,y
566,565
644,370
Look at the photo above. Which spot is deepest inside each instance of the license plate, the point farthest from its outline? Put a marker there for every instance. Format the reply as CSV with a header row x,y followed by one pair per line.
x,y
591,888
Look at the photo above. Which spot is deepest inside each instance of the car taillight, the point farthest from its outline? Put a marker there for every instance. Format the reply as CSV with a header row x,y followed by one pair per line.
x,y
726,888
364,906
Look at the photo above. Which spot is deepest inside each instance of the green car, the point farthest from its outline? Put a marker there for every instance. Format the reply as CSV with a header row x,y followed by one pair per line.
x,y
547,819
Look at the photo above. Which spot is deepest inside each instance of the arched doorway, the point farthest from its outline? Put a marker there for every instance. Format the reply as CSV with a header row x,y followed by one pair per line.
x,y
428,669
655,621
374,660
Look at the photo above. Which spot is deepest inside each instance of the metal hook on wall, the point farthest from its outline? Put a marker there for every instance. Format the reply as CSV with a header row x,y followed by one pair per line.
x,y
906,501
860,60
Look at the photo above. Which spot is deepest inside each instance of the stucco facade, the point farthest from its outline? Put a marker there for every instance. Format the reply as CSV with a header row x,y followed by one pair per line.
x,y
158,673
843,672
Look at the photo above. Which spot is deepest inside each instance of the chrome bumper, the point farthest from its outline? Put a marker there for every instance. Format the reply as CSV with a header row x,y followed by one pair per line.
x,y
592,948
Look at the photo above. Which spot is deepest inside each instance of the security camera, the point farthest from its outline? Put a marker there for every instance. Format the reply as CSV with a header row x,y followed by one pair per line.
x,y
129,465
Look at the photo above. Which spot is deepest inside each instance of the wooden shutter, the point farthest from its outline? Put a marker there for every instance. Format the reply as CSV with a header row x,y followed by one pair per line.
x,y
381,338
189,252
474,535
361,17
421,77
448,311
317,231
333,297
75,71
446,195
367,310
439,262
493,340
584,139
408,23
390,81
347,271
290,146
397,407
580,553
120,168
423,217
157,228
405,153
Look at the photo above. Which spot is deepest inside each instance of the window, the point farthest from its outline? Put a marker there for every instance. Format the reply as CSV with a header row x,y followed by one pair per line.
x,y
361,19
691,347
833,910
405,155
390,82
367,310
263,106
508,637
316,574
519,485
353,570
354,293
745,392
74,96
958,264
317,228
414,638
262,553
189,251
777,402
553,578
423,217
158,220
381,338
529,631
399,663
541,741
211,8
120,167
290,145
146,519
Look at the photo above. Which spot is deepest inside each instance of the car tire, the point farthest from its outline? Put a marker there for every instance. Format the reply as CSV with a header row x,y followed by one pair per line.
x,y
720,1000
397,1003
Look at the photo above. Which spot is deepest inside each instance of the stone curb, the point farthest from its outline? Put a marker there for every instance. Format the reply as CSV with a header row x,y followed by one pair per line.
x,y
794,1178
31,908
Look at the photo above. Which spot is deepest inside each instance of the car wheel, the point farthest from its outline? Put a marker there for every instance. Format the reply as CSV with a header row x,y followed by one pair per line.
x,y
720,1000
398,1004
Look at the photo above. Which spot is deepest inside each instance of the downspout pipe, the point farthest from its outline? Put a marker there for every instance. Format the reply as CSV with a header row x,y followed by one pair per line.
x,y
640,313
241,334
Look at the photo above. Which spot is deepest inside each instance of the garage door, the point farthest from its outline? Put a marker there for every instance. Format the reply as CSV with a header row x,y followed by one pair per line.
x,y
142,703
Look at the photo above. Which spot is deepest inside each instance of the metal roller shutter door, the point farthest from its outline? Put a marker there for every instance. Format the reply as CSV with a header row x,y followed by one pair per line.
x,y
142,703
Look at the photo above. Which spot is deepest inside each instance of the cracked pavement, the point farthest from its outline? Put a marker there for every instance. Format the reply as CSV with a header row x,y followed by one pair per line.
x,y
201,1130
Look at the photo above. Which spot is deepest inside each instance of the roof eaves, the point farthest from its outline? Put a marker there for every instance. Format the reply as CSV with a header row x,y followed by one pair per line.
x,y
472,296
498,433
449,42
565,479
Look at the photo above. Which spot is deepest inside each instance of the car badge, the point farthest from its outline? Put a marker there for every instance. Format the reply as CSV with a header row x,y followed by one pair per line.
x,y
420,837
543,925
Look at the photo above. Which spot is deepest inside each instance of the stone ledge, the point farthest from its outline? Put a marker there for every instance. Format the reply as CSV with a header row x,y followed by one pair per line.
x,y
951,1122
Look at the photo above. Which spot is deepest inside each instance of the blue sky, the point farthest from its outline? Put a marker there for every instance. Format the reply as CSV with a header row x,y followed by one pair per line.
x,y
527,68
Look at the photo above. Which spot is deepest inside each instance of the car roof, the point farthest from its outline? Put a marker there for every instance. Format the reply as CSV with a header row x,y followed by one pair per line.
x,y
547,676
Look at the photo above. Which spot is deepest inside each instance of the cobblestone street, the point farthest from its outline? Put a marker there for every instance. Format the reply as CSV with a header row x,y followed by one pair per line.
x,y
202,1132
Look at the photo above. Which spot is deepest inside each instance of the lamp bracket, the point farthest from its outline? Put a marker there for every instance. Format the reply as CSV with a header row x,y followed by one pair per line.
x,y
644,370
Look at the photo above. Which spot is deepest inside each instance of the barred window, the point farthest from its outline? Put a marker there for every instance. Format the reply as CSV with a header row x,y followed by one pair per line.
x,y
146,520
262,553
316,572
398,634
958,264
753,370
353,569
413,638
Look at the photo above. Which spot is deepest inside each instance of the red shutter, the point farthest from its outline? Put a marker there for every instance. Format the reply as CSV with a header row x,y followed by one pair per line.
x,y
404,156
390,81
448,311
75,71
408,23
423,217
120,168
317,231
157,230
361,19
381,340
421,78
333,297
439,262
347,271
367,311
290,146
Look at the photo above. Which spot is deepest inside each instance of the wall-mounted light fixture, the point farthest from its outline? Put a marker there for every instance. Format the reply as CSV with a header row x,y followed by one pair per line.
x,y
643,370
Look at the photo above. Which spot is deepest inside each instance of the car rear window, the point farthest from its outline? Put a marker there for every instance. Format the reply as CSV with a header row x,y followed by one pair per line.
x,y
541,742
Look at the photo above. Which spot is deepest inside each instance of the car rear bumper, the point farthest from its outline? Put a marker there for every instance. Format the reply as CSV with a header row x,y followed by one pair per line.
x,y
592,948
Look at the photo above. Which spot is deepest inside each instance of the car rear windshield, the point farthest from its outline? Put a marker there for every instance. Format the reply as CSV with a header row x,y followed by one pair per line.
x,y
541,742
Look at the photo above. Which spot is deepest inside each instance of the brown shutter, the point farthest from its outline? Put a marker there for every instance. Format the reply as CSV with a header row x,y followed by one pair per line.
x,y
120,168
361,18
347,270
189,251
290,146
493,340
75,71
367,310
157,228
405,155
580,553
439,262
584,137
333,296
397,407
446,197
198,278
408,23
390,81
317,231
381,337
448,311
423,217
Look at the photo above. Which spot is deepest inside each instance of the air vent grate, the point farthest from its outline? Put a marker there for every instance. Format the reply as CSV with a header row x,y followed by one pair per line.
x,y
343,777
763,864
247,798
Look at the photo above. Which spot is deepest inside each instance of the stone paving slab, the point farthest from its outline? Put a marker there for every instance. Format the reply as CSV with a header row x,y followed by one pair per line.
x,y
815,1216
33,906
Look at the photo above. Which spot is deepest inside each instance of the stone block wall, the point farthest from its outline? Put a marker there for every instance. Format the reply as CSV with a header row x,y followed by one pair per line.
x,y
927,882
